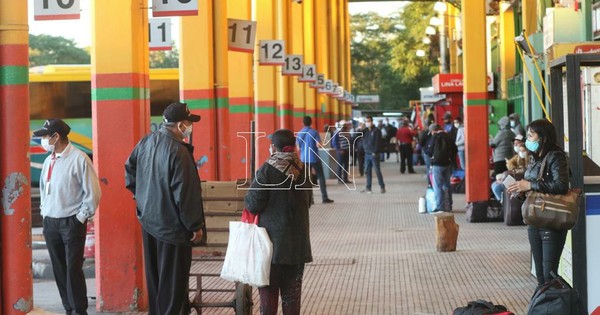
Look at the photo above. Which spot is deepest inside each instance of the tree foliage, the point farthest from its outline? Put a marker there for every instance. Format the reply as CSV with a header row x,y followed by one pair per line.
x,y
164,58
383,51
51,50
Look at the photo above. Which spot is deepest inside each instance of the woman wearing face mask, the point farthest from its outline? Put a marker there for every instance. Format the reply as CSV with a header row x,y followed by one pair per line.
x,y
546,244
519,162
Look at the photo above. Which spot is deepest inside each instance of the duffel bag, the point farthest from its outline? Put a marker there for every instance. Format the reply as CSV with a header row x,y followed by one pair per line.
x,y
482,307
556,297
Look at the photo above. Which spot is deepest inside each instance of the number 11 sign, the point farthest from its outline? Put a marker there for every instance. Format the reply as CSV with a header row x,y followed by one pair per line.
x,y
241,35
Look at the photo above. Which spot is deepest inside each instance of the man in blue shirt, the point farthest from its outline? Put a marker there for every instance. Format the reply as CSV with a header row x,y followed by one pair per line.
x,y
307,140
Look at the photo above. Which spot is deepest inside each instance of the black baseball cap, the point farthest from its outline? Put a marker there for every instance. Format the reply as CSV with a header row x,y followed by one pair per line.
x,y
52,126
178,112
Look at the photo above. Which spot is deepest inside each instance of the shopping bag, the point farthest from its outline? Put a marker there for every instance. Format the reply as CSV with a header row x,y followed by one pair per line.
x,y
248,256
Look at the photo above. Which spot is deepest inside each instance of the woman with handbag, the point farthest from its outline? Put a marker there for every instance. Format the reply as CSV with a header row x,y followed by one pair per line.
x,y
546,243
280,195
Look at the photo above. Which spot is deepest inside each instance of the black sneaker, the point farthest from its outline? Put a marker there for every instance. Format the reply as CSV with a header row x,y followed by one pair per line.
x,y
327,201
383,190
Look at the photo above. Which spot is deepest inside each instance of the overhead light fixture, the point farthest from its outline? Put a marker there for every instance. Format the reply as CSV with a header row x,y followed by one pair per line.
x,y
426,40
440,6
521,41
435,21
420,53
430,30
393,114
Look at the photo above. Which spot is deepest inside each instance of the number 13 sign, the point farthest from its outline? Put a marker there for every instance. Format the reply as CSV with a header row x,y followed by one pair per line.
x,y
56,10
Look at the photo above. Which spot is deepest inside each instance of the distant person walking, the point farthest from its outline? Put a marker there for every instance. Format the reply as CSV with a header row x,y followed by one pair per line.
x,y
162,175
70,192
341,142
442,149
372,145
405,137
307,140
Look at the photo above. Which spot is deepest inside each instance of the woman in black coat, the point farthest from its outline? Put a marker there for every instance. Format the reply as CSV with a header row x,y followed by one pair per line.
x,y
546,244
280,194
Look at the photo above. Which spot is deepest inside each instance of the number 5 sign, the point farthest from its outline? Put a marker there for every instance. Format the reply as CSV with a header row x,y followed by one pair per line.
x,y
159,31
272,52
56,10
241,35
174,7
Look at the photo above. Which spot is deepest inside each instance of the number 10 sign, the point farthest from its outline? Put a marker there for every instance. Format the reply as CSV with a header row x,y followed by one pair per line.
x,y
56,10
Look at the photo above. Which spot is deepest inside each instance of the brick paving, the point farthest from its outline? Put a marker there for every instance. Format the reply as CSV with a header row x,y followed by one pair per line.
x,y
375,254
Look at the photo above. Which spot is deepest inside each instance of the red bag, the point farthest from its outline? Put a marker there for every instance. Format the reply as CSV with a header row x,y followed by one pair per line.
x,y
249,217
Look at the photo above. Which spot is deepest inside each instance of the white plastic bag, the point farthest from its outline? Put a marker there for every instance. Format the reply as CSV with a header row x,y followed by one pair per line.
x,y
248,256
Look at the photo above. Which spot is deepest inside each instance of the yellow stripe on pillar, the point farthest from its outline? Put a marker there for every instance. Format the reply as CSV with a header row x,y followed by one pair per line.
x,y
220,36
333,55
297,47
507,48
322,32
475,96
284,105
309,57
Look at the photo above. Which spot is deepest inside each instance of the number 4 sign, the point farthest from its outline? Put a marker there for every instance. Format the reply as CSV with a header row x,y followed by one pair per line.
x,y
160,34
309,74
241,35
272,52
174,7
56,10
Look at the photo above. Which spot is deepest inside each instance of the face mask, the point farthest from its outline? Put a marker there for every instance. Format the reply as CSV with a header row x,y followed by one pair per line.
x,y
271,150
512,124
522,154
187,132
457,125
368,124
516,148
46,144
532,146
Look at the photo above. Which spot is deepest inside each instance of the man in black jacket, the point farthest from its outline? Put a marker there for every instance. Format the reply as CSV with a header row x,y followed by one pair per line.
x,y
162,175
372,146
443,150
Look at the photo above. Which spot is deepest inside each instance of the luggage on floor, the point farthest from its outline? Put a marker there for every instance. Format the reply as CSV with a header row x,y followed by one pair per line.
x,y
484,211
482,307
430,200
512,206
556,297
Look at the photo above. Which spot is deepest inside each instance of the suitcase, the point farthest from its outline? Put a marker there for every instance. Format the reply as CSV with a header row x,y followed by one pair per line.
x,y
484,211
512,206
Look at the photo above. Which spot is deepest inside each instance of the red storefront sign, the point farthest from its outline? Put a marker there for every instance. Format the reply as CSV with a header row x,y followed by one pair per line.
x,y
453,83
586,49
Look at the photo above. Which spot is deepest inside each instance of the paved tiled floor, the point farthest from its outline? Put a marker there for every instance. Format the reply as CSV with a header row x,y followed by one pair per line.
x,y
375,254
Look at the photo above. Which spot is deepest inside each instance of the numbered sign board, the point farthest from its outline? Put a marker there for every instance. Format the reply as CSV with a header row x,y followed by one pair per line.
x,y
242,34
159,32
56,9
334,87
174,7
319,83
327,88
309,74
293,65
271,52
338,93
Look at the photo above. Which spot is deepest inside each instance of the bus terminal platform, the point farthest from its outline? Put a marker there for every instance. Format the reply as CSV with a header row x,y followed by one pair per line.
x,y
376,254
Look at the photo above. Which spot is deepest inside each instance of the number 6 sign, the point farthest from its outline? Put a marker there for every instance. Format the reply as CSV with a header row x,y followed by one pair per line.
x,y
272,52
56,10
174,7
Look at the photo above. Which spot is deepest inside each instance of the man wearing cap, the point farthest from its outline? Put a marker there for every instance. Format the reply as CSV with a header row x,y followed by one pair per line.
x,y
70,192
162,175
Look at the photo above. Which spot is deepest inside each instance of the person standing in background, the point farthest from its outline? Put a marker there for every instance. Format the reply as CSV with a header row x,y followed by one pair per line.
x,y
460,141
307,140
70,193
372,146
405,136
502,144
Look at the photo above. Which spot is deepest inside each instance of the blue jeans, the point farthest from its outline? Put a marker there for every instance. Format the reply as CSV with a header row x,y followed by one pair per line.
x,y
372,160
427,160
441,182
318,170
498,190
461,158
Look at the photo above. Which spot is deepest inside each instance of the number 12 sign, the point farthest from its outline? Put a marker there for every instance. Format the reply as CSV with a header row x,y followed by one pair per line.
x,y
56,10
242,34
271,53
174,7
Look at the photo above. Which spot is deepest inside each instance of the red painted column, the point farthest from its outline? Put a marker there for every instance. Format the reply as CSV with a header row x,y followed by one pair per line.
x,y
15,213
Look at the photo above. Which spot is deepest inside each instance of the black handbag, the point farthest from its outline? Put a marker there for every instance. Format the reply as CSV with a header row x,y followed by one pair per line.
x,y
482,307
556,297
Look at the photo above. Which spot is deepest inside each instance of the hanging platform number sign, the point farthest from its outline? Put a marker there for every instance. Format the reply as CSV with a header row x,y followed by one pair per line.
x,y
159,31
339,92
319,83
327,88
174,7
293,65
44,10
309,74
242,35
271,52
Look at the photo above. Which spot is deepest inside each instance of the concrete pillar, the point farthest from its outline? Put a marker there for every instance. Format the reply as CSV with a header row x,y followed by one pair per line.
x,y
120,117
322,60
296,43
333,56
507,49
284,104
310,94
222,88
475,100
16,291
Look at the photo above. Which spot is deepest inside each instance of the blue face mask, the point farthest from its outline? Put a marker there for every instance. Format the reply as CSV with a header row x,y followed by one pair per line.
x,y
532,146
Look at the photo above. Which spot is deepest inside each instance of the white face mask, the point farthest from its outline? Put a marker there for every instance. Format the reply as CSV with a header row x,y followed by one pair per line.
x,y
271,150
187,132
46,145
512,123
517,149
457,125
368,124
522,154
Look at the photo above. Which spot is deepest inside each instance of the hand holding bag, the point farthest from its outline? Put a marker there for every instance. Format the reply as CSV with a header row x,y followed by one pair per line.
x,y
249,253
559,212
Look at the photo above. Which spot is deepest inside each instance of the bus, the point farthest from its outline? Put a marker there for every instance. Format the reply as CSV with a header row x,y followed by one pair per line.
x,y
64,91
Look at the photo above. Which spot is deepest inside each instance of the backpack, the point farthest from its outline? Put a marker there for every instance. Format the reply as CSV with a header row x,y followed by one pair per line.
x,y
441,154
482,307
556,297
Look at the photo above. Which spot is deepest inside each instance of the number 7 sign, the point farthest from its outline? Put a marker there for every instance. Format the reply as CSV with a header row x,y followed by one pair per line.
x,y
56,10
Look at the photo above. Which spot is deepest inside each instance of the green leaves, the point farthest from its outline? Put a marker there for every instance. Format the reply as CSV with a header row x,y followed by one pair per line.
x,y
51,50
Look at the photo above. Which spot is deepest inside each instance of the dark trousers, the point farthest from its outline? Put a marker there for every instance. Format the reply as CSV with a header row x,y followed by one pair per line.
x,y
546,247
372,161
360,157
406,158
317,169
499,168
286,279
167,276
65,239
343,157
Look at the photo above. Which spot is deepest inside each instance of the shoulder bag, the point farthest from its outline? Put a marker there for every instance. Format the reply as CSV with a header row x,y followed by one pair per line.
x,y
558,212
